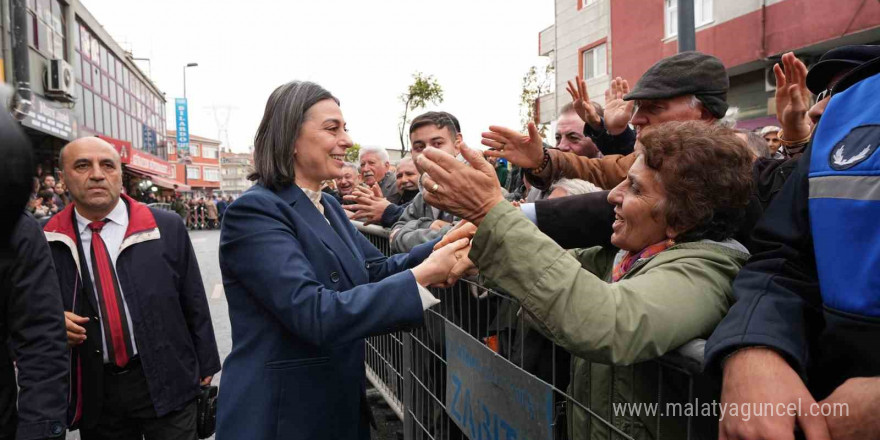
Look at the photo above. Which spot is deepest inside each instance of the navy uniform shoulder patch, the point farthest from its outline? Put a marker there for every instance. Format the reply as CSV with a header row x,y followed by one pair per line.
x,y
855,148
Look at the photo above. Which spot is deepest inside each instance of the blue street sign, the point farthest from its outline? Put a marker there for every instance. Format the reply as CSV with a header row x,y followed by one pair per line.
x,y
182,127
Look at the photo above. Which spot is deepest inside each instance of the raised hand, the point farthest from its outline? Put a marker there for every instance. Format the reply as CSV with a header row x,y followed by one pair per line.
x,y
369,204
618,112
469,192
526,151
792,97
580,101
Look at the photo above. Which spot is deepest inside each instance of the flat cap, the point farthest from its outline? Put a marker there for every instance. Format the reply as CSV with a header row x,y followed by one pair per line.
x,y
686,73
837,61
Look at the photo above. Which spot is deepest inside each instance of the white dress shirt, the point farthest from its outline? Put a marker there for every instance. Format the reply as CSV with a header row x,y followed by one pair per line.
x,y
425,295
113,233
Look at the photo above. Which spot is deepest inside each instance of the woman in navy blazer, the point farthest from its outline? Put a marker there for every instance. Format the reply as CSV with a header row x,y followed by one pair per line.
x,y
304,287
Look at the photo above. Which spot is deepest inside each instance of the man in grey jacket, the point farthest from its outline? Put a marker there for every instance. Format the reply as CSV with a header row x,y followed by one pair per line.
x,y
421,222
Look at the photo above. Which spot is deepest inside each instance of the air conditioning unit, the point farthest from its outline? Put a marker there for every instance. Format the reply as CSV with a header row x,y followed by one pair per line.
x,y
769,79
59,80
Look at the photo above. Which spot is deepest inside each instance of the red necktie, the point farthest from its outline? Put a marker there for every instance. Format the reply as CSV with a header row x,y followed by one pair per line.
x,y
116,329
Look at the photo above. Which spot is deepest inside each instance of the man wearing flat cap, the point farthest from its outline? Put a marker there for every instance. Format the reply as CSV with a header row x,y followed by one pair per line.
x,y
686,86
682,87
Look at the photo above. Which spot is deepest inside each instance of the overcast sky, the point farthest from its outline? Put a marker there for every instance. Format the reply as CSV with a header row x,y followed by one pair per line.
x,y
364,52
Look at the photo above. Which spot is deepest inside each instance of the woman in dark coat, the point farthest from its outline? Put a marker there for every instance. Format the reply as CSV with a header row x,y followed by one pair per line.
x,y
304,287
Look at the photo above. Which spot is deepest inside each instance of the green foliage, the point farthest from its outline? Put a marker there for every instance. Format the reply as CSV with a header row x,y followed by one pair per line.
x,y
352,152
424,89
536,83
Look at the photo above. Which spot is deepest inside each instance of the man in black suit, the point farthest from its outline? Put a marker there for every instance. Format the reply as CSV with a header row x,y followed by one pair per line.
x,y
34,405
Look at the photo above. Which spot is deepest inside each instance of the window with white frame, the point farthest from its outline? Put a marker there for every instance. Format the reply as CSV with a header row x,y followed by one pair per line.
x,y
209,152
702,15
194,150
193,173
595,62
212,174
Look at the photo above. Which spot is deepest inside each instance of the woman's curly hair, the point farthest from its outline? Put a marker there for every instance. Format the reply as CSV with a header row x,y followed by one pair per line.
x,y
706,171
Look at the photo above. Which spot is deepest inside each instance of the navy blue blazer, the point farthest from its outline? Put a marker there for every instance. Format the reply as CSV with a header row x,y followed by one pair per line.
x,y
303,292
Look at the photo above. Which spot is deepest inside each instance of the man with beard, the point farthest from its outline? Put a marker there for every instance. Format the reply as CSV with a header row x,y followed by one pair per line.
x,y
375,165
369,205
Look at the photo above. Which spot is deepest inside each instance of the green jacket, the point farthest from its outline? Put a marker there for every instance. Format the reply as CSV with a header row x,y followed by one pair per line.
x,y
663,302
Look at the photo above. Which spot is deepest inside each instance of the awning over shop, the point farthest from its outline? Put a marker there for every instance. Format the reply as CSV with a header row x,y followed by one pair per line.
x,y
163,182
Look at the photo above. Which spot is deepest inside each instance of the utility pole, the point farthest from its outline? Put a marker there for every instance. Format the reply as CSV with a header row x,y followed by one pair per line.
x,y
687,38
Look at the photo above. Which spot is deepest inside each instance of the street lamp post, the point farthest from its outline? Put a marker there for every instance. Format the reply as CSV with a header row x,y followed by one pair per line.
x,y
184,76
185,171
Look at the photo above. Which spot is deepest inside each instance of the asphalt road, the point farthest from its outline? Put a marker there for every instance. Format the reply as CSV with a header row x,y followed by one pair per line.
x,y
206,246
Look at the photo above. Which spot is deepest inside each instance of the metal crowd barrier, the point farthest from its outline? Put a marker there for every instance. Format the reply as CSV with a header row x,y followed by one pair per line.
x,y
409,369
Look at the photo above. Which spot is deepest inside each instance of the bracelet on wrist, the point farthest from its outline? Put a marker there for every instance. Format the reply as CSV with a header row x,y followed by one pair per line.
x,y
543,165
790,143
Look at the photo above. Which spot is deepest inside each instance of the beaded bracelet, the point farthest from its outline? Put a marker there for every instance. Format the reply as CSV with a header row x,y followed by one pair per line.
x,y
544,164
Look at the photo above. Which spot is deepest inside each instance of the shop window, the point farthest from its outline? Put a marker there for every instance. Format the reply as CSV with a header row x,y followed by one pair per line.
x,y
212,174
114,122
703,10
594,62
46,28
193,173
209,153
107,117
99,114
78,105
88,108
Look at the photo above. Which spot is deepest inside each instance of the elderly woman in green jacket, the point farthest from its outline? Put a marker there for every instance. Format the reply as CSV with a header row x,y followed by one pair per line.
x,y
666,280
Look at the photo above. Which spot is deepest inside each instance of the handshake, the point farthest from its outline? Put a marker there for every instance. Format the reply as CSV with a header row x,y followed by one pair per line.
x,y
449,261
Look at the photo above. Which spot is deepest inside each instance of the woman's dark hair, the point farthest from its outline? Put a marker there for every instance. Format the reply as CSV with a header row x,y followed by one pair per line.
x,y
282,120
706,171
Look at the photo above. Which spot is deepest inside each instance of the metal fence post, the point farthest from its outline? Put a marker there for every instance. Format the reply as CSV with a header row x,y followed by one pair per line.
x,y
406,402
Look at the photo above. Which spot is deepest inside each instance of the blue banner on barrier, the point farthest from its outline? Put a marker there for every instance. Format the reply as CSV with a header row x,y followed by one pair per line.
x,y
489,398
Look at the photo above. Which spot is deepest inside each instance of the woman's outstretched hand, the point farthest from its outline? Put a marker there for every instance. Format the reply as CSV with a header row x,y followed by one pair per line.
x,y
436,269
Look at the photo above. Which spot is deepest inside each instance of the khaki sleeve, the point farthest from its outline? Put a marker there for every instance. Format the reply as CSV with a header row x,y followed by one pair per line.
x,y
621,323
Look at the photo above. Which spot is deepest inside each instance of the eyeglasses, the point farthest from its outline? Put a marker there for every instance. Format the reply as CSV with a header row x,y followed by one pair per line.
x,y
823,94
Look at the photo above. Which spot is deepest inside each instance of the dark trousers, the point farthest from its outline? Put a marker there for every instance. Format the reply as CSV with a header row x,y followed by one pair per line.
x,y
127,412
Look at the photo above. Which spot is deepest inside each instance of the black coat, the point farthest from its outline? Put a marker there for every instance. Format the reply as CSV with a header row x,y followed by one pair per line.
x,y
780,293
34,337
159,276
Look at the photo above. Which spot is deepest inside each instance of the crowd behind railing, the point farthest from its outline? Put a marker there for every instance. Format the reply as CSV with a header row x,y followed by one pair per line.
x,y
654,274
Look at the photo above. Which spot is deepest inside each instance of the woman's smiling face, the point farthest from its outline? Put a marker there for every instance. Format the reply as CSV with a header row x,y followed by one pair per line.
x,y
320,146
638,222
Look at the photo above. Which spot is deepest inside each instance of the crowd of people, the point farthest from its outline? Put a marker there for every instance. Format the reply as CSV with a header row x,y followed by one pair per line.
x,y
50,196
651,222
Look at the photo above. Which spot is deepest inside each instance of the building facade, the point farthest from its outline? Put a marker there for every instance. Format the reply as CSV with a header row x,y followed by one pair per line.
x,y
235,168
203,173
82,83
749,36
